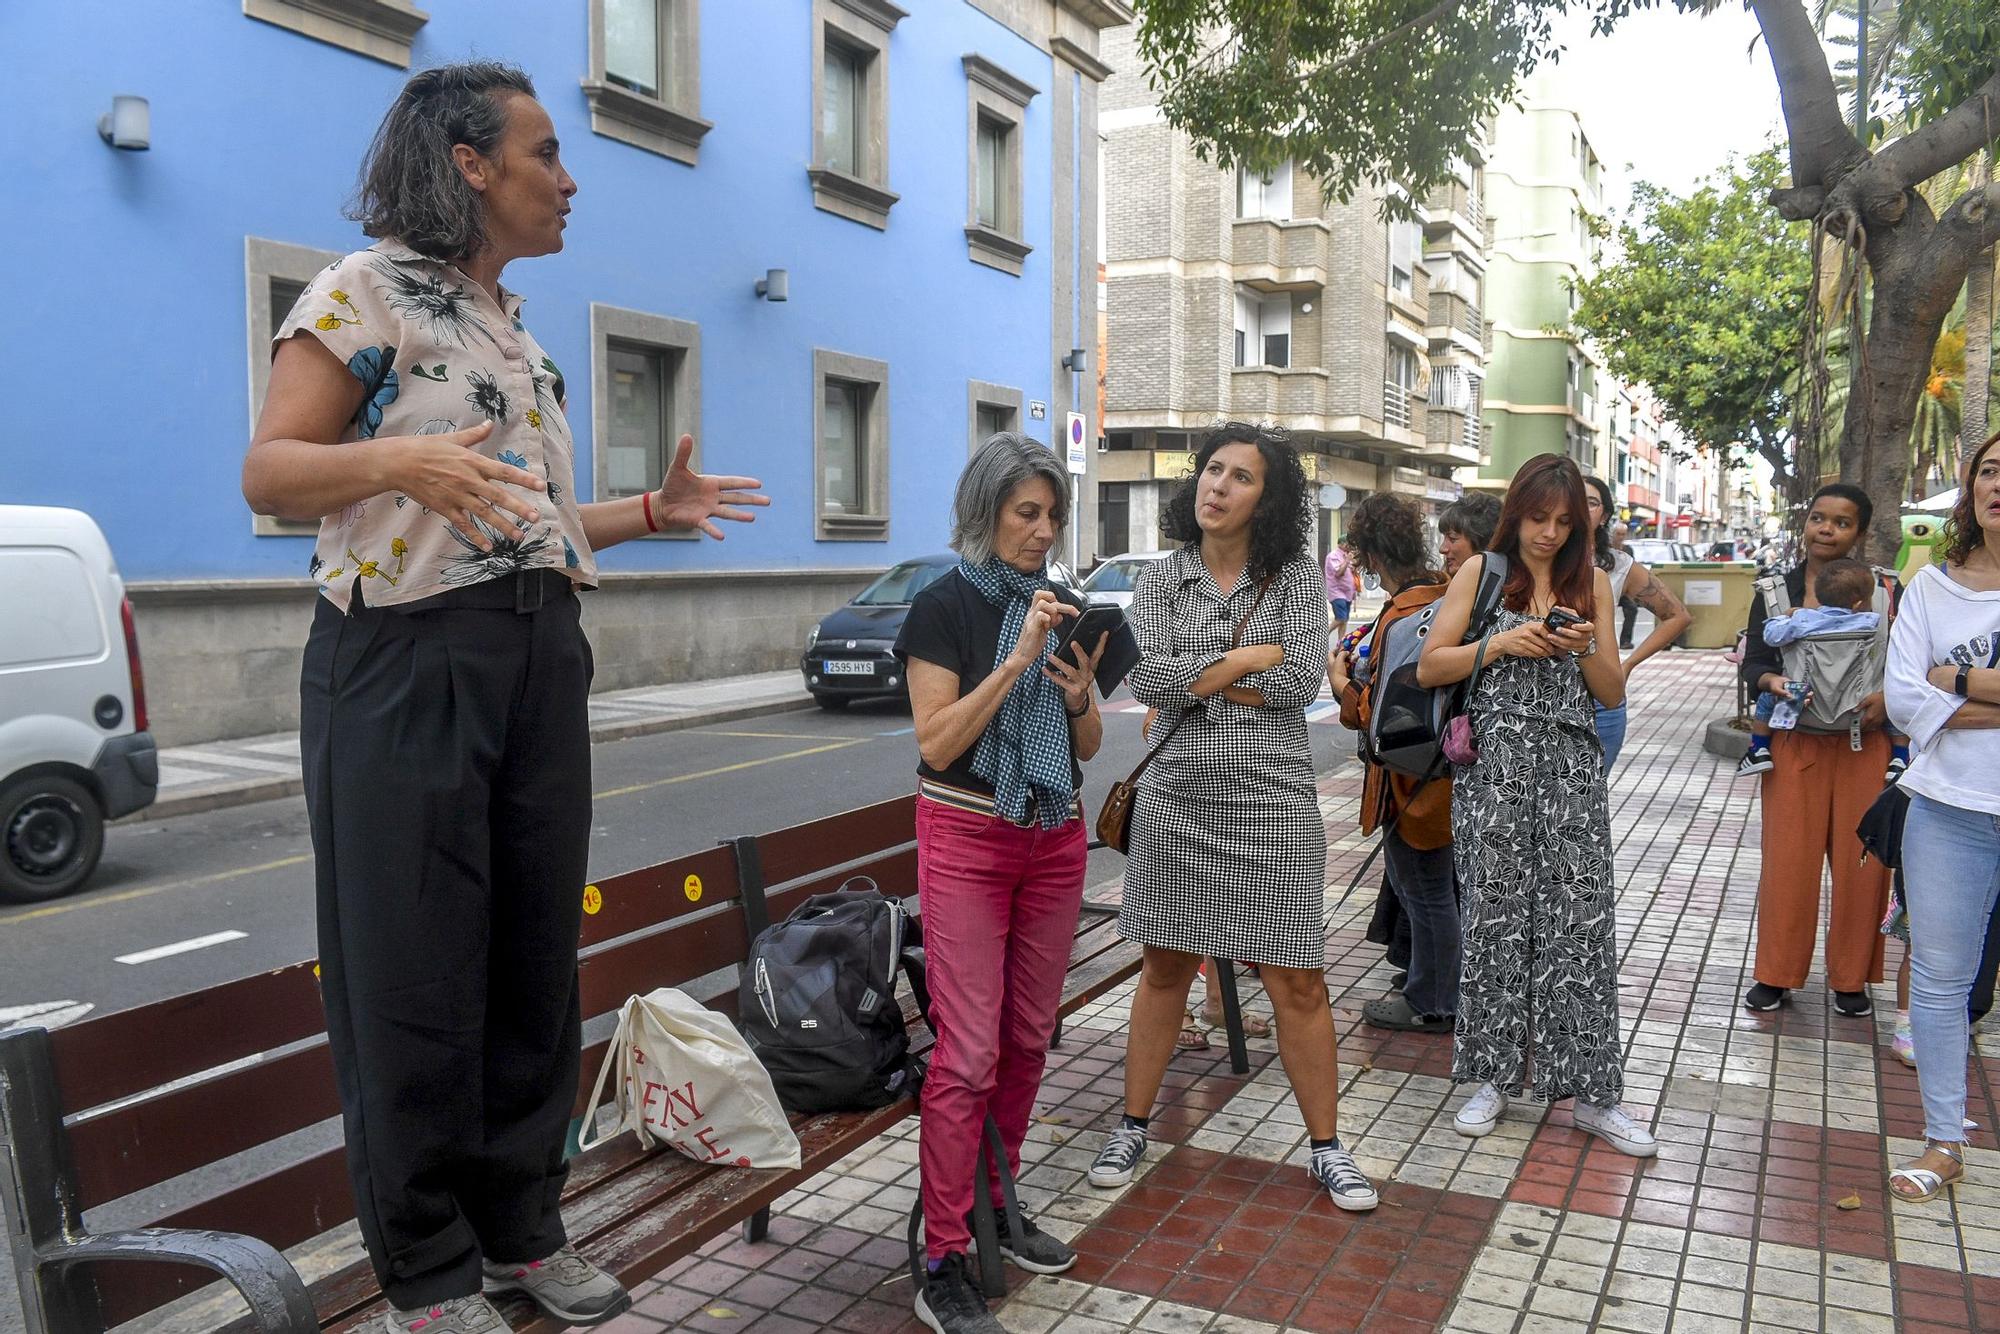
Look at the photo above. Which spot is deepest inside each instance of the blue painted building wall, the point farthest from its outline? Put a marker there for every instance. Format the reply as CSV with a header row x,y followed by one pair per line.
x,y
122,274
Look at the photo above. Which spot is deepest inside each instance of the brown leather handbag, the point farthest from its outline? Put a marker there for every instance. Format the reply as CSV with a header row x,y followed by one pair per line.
x,y
1114,819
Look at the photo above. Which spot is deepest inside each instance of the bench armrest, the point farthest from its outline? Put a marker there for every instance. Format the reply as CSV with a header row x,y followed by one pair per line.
x,y
277,1297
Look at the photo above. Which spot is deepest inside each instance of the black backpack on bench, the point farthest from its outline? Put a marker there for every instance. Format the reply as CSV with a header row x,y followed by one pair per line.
x,y
817,1001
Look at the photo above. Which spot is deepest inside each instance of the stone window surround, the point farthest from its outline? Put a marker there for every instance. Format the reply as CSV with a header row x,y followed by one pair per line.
x,y
265,262
671,126
682,338
872,526
379,29
984,393
864,26
994,94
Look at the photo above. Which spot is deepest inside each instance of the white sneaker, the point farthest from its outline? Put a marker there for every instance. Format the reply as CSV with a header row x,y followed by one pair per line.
x,y
1615,1128
1481,1113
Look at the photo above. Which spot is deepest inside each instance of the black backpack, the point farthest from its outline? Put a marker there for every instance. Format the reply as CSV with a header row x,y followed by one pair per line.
x,y
817,1001
1406,721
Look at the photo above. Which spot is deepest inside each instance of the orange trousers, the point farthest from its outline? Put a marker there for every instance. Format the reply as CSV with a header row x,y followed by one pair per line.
x,y
1814,798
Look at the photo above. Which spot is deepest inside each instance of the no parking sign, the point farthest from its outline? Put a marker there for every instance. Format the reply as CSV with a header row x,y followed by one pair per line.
x,y
1075,442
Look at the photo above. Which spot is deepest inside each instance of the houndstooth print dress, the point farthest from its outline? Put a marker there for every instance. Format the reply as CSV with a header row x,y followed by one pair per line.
x,y
1532,837
1228,850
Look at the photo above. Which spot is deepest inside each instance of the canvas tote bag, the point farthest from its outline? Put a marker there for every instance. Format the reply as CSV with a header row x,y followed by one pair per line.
x,y
687,1079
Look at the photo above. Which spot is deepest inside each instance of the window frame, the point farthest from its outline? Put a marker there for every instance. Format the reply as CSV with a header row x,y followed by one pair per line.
x,y
382,30
1251,335
682,339
985,394
266,262
671,124
1267,190
871,525
1410,232
999,98
864,27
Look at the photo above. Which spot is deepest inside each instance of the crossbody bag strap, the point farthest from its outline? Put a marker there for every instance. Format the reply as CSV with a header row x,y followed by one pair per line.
x,y
1235,642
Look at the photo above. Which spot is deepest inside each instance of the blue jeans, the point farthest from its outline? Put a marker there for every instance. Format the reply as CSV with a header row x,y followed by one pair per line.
x,y
1611,733
1951,859
1426,884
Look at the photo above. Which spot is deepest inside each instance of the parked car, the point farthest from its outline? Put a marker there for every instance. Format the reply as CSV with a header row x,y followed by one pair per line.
x,y
1650,551
850,654
74,749
1112,582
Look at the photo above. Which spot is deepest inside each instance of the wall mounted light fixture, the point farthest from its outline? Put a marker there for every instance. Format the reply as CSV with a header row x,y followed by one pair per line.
x,y
129,123
1074,361
775,285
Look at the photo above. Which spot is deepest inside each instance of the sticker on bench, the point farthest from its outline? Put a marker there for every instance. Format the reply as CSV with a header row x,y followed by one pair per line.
x,y
593,900
692,888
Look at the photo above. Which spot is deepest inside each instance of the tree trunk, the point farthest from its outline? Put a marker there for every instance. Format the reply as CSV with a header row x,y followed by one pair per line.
x,y
1972,427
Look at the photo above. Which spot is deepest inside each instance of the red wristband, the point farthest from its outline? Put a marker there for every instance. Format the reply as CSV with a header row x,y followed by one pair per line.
x,y
646,500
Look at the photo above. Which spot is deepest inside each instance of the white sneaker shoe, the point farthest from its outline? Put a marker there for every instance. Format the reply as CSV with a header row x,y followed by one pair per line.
x,y
1481,1113
1615,1128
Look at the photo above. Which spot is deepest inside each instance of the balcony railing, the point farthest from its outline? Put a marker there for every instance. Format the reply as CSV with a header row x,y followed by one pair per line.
x,y
1395,405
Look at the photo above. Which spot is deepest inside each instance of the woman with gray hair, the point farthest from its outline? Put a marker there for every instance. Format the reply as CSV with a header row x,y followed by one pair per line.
x,y
443,729
1002,728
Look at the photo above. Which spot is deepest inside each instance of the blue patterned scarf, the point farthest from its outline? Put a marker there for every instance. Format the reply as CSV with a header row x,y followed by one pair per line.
x,y
1024,752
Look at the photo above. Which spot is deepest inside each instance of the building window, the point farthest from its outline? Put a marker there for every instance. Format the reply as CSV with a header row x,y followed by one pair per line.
x,y
275,275
997,106
1263,328
381,29
850,166
1264,194
644,86
645,395
1114,518
1406,243
850,447
990,409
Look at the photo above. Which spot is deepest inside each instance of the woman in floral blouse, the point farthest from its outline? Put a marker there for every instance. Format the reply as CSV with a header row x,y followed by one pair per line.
x,y
443,727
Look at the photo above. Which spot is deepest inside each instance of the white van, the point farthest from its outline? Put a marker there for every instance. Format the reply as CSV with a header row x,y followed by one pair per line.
x,y
74,749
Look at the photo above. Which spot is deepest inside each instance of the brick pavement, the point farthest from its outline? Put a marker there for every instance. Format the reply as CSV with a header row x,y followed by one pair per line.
x,y
1768,1125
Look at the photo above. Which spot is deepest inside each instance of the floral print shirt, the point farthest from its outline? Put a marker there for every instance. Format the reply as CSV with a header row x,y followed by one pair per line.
x,y
435,353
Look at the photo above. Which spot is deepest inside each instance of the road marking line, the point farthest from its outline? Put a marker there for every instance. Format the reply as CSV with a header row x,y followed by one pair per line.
x,y
724,769
43,1014
181,947
901,731
781,736
144,891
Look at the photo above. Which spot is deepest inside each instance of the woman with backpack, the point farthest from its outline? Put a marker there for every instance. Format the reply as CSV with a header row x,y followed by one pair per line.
x,y
1414,815
1529,820
1002,727
1943,689
1629,579
1820,782
1227,855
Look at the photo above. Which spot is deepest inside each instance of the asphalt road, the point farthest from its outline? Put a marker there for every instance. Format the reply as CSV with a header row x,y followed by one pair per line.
x,y
241,879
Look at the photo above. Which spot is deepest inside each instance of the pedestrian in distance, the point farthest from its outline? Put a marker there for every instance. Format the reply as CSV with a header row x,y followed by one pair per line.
x,y
1943,689
1530,823
1228,849
1819,785
1003,725
443,729
1629,579
1342,587
1465,528
1413,814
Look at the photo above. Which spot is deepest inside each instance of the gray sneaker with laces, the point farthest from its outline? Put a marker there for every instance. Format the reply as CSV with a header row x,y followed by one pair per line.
x,y
565,1285
460,1315
1119,1158
1334,1169
1034,1250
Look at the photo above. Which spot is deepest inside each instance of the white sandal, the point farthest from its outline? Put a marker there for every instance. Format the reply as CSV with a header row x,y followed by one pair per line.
x,y
1930,1183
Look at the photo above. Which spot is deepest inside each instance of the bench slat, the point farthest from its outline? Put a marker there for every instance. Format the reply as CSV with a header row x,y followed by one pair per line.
x,y
802,849
129,1051
654,895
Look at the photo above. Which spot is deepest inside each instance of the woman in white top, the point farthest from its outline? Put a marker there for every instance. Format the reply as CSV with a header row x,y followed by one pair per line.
x,y
1943,690
1633,580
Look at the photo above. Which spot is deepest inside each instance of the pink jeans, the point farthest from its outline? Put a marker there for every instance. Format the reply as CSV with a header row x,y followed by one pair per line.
x,y
999,911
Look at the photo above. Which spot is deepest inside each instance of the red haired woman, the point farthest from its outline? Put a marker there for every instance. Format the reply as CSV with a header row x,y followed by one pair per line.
x,y
1530,827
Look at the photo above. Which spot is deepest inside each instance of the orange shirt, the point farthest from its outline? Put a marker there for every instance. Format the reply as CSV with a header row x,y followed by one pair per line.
x,y
1425,820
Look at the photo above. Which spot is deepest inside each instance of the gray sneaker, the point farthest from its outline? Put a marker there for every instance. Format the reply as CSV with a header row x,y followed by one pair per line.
x,y
1035,1250
460,1315
565,1285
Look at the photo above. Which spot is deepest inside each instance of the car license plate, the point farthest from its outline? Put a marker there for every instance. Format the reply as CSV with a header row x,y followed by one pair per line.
x,y
849,667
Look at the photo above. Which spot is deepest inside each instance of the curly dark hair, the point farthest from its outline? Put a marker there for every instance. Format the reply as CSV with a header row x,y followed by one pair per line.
x,y
1387,534
411,190
1281,522
1601,547
1961,531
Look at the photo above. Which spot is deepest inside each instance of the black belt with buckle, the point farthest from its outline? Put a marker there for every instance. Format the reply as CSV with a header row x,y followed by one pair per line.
x,y
522,592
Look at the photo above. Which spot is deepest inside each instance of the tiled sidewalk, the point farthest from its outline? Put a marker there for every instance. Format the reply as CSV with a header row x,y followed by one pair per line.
x,y
1766,1209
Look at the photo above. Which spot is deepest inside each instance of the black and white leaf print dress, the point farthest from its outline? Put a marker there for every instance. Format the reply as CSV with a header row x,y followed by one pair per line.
x,y
1532,837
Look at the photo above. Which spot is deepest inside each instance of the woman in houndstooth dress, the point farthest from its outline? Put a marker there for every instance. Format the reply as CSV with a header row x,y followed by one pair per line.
x,y
1228,851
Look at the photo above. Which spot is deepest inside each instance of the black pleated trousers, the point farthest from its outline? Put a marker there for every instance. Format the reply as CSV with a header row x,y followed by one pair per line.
x,y
446,753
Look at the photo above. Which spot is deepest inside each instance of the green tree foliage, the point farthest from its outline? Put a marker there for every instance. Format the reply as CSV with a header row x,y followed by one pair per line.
x,y
1704,301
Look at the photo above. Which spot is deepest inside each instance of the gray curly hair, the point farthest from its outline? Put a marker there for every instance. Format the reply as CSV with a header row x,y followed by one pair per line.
x,y
1006,460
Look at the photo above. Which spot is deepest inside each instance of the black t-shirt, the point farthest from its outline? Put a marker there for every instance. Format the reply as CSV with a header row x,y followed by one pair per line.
x,y
951,625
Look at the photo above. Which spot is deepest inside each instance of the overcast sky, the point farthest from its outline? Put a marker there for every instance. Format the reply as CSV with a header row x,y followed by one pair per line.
x,y
1670,93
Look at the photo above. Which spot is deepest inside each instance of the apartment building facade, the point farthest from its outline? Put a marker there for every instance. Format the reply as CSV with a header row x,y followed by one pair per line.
x,y
1233,294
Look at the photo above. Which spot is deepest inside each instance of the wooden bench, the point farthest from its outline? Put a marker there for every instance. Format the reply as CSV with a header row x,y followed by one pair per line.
x,y
93,1113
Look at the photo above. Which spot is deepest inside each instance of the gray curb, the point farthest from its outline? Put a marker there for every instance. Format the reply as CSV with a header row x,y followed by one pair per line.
x,y
276,787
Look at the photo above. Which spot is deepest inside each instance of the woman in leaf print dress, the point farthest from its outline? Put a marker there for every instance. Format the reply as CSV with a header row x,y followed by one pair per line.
x,y
443,726
1530,826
